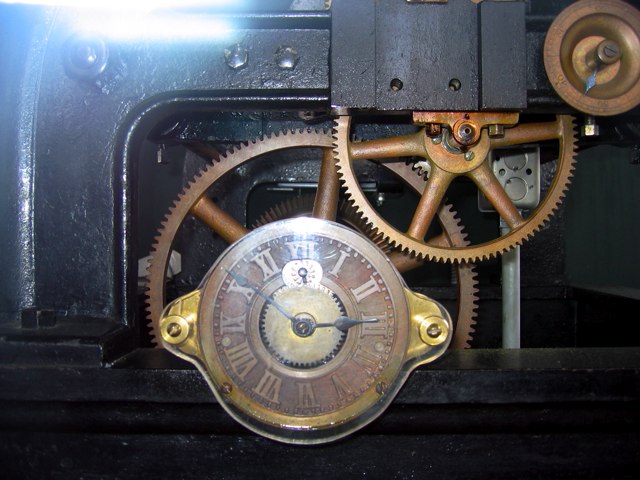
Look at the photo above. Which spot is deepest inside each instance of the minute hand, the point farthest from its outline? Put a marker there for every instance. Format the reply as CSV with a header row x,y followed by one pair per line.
x,y
244,282
345,323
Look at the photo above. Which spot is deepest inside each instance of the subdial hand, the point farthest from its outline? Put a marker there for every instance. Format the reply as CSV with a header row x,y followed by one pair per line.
x,y
345,323
244,282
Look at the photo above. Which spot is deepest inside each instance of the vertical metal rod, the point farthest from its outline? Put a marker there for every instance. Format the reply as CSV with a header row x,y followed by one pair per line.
x,y
510,294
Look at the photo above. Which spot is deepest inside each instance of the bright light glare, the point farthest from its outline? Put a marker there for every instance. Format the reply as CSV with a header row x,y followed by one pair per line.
x,y
153,26
140,19
136,5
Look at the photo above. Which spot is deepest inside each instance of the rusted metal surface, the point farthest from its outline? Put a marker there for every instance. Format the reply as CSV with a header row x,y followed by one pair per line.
x,y
218,220
445,163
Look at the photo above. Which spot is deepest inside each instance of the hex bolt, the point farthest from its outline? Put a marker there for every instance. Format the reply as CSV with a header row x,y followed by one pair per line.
x,y
468,156
286,57
496,131
590,127
433,129
236,56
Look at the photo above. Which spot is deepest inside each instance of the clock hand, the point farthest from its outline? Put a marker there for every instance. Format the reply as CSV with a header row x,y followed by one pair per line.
x,y
345,323
244,282
591,81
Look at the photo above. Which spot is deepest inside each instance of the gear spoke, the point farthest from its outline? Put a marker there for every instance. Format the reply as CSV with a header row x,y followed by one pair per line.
x,y
489,185
528,133
434,191
227,227
411,145
447,158
325,205
193,201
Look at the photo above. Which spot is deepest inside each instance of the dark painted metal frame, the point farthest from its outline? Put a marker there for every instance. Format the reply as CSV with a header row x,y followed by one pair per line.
x,y
74,382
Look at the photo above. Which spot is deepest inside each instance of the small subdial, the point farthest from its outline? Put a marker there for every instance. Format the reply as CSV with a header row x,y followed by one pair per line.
x,y
304,272
297,342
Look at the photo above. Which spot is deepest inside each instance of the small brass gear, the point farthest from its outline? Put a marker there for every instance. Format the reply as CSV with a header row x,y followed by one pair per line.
x,y
302,352
444,167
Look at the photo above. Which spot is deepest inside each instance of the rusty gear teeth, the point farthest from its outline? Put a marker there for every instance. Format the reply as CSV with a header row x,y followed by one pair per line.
x,y
472,253
161,248
236,156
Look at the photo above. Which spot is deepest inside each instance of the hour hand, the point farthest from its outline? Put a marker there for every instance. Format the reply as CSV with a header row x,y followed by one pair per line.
x,y
345,323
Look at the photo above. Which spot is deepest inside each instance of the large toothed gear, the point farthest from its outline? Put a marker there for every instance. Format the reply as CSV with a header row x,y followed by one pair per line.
x,y
444,166
196,189
161,250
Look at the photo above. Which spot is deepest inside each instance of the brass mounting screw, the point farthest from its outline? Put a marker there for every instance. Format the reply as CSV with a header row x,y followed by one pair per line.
x,y
434,330
174,329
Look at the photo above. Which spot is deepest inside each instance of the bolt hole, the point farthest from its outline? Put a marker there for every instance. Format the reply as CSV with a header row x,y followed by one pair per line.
x,y
396,84
528,171
502,171
454,85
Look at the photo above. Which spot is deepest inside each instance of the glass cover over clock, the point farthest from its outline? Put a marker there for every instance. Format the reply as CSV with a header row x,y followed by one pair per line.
x,y
304,330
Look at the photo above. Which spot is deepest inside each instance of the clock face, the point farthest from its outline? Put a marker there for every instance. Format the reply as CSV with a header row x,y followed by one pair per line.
x,y
303,328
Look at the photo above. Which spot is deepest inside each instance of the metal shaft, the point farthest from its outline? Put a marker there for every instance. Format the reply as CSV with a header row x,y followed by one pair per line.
x,y
510,294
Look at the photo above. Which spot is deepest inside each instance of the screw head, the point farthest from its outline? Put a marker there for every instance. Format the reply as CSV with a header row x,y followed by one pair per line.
x,y
226,388
608,52
381,388
434,330
236,56
174,329
468,156
85,57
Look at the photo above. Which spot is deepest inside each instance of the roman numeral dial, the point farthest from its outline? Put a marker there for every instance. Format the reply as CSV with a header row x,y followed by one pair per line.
x,y
301,322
